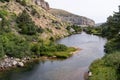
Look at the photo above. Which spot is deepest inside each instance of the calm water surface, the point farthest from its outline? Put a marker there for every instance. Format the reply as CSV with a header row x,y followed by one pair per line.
x,y
70,69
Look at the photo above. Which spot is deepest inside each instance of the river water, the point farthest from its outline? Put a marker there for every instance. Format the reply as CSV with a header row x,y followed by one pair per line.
x,y
73,68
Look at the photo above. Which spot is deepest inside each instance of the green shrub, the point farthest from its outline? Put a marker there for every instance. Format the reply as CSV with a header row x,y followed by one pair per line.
x,y
102,72
77,29
4,0
61,47
4,24
2,53
22,2
113,60
26,24
112,45
14,45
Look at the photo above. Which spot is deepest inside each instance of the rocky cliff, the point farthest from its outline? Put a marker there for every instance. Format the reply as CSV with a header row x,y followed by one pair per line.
x,y
72,18
42,3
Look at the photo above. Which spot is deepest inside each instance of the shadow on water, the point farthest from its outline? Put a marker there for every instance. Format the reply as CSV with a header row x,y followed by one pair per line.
x,y
70,69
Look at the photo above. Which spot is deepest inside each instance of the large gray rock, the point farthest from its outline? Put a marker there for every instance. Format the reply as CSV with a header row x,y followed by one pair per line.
x,y
0,19
20,64
17,59
14,63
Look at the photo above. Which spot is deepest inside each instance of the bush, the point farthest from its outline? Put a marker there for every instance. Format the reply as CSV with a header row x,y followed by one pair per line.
x,y
113,60
26,24
102,72
61,47
1,50
112,45
77,29
4,24
14,46
4,0
22,2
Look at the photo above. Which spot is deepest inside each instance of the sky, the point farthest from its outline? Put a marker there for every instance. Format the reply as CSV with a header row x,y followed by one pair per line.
x,y
98,10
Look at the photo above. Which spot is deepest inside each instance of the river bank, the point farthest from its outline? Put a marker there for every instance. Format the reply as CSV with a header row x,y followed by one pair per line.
x,y
6,63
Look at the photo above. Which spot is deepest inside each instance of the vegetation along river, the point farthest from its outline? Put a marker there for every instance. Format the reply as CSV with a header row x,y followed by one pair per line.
x,y
73,68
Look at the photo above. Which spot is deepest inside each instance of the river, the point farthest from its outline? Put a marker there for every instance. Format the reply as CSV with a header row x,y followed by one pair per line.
x,y
73,68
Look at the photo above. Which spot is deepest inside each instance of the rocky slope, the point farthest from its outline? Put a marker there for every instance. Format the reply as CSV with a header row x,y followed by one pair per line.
x,y
72,18
51,25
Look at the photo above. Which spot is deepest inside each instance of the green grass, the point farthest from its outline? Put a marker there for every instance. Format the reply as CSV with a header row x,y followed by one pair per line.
x,y
60,54
102,72
106,68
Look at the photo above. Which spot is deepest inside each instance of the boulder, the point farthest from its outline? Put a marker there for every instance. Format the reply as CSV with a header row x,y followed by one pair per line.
x,y
17,59
20,64
24,61
0,19
14,63
7,60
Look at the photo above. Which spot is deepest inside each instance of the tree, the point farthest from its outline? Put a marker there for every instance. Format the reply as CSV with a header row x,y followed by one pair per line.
x,y
26,24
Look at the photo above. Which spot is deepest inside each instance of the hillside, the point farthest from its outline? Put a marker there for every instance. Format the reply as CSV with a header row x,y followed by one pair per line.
x,y
72,18
42,19
28,30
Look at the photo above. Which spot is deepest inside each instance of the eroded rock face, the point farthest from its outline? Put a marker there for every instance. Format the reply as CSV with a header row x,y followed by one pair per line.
x,y
72,18
42,3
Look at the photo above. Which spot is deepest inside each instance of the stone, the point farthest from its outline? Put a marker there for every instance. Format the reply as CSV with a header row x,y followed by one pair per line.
x,y
20,64
14,63
17,59
7,60
5,56
54,56
90,74
72,30
0,19
23,61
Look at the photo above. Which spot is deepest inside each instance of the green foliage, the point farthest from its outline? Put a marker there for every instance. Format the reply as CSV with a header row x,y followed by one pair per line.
x,y
113,60
4,23
93,30
61,47
111,29
102,72
1,50
26,24
13,45
4,0
34,12
3,13
22,2
51,49
49,30
77,29
107,68
112,45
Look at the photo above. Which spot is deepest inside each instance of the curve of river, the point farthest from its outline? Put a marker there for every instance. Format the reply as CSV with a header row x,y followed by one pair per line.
x,y
70,69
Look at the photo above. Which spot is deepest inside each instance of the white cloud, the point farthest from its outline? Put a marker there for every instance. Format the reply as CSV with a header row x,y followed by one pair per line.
x,y
97,10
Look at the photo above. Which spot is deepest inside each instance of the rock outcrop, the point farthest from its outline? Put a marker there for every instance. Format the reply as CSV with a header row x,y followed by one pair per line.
x,y
72,18
42,3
